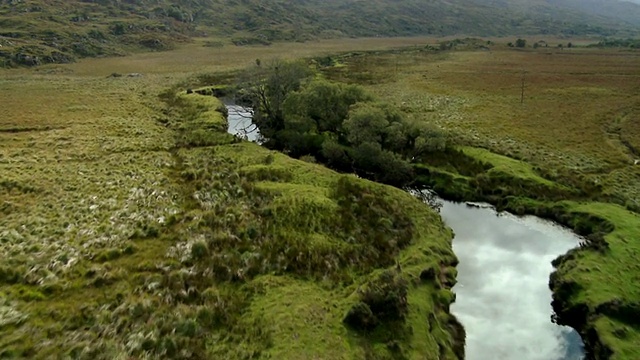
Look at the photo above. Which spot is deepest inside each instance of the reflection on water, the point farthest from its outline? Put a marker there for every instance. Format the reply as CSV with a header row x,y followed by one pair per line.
x,y
502,295
240,123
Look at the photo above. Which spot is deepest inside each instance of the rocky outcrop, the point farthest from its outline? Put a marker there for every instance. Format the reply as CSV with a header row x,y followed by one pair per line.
x,y
32,57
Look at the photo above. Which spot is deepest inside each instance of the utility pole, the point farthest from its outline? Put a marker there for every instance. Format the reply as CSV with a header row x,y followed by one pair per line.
x,y
396,59
522,87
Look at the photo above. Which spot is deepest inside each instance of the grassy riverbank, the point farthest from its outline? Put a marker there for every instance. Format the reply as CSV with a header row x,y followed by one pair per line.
x,y
566,152
134,226
130,220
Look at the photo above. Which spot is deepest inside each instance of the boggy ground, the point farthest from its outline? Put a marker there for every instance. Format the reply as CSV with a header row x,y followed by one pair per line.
x,y
132,225
567,152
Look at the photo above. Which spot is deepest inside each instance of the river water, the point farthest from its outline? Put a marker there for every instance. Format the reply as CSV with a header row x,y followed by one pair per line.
x,y
240,123
502,295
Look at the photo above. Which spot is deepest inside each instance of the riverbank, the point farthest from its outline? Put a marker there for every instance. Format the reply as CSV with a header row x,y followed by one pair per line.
x,y
593,289
550,339
385,257
561,154
476,174
496,293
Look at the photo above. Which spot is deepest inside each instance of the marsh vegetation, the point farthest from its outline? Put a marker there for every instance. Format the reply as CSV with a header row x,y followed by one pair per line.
x,y
133,225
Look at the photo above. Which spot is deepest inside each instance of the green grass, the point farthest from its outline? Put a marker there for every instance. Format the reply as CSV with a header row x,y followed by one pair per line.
x,y
505,165
304,319
132,226
608,278
624,340
615,275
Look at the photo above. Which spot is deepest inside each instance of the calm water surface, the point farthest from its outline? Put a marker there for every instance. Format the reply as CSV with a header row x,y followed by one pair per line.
x,y
240,122
502,295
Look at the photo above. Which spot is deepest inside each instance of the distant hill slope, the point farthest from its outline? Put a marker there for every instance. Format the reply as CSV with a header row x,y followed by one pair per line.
x,y
42,31
626,11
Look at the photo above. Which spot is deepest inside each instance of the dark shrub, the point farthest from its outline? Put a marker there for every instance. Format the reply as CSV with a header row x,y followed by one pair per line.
x,y
360,317
386,296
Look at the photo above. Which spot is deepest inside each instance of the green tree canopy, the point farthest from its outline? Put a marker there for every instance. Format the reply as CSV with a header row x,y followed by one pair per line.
x,y
367,123
322,106
265,88
338,124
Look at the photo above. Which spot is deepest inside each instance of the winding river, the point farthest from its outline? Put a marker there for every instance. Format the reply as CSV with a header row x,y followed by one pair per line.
x,y
502,295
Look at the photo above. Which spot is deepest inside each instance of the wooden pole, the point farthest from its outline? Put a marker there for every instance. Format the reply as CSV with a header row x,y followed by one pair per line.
x,y
522,88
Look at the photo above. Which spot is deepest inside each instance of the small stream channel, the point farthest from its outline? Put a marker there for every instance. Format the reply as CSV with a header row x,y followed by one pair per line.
x,y
502,295
239,120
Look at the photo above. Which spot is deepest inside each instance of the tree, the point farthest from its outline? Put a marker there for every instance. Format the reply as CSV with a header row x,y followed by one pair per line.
x,y
337,156
366,124
372,162
265,88
322,105
377,122
521,43
338,124
395,137
419,139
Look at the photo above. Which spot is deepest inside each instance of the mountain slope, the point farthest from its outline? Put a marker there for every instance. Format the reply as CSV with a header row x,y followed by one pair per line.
x,y
623,10
56,31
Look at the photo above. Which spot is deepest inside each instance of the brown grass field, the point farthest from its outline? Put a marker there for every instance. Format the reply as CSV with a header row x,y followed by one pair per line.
x,y
580,115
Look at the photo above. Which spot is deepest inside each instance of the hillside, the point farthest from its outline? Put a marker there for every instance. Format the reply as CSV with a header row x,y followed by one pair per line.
x,y
623,10
55,31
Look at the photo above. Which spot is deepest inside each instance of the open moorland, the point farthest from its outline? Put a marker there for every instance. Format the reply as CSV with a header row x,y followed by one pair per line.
x,y
578,117
54,31
134,226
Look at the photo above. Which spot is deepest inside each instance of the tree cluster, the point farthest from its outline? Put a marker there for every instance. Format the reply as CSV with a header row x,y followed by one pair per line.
x,y
340,125
520,43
